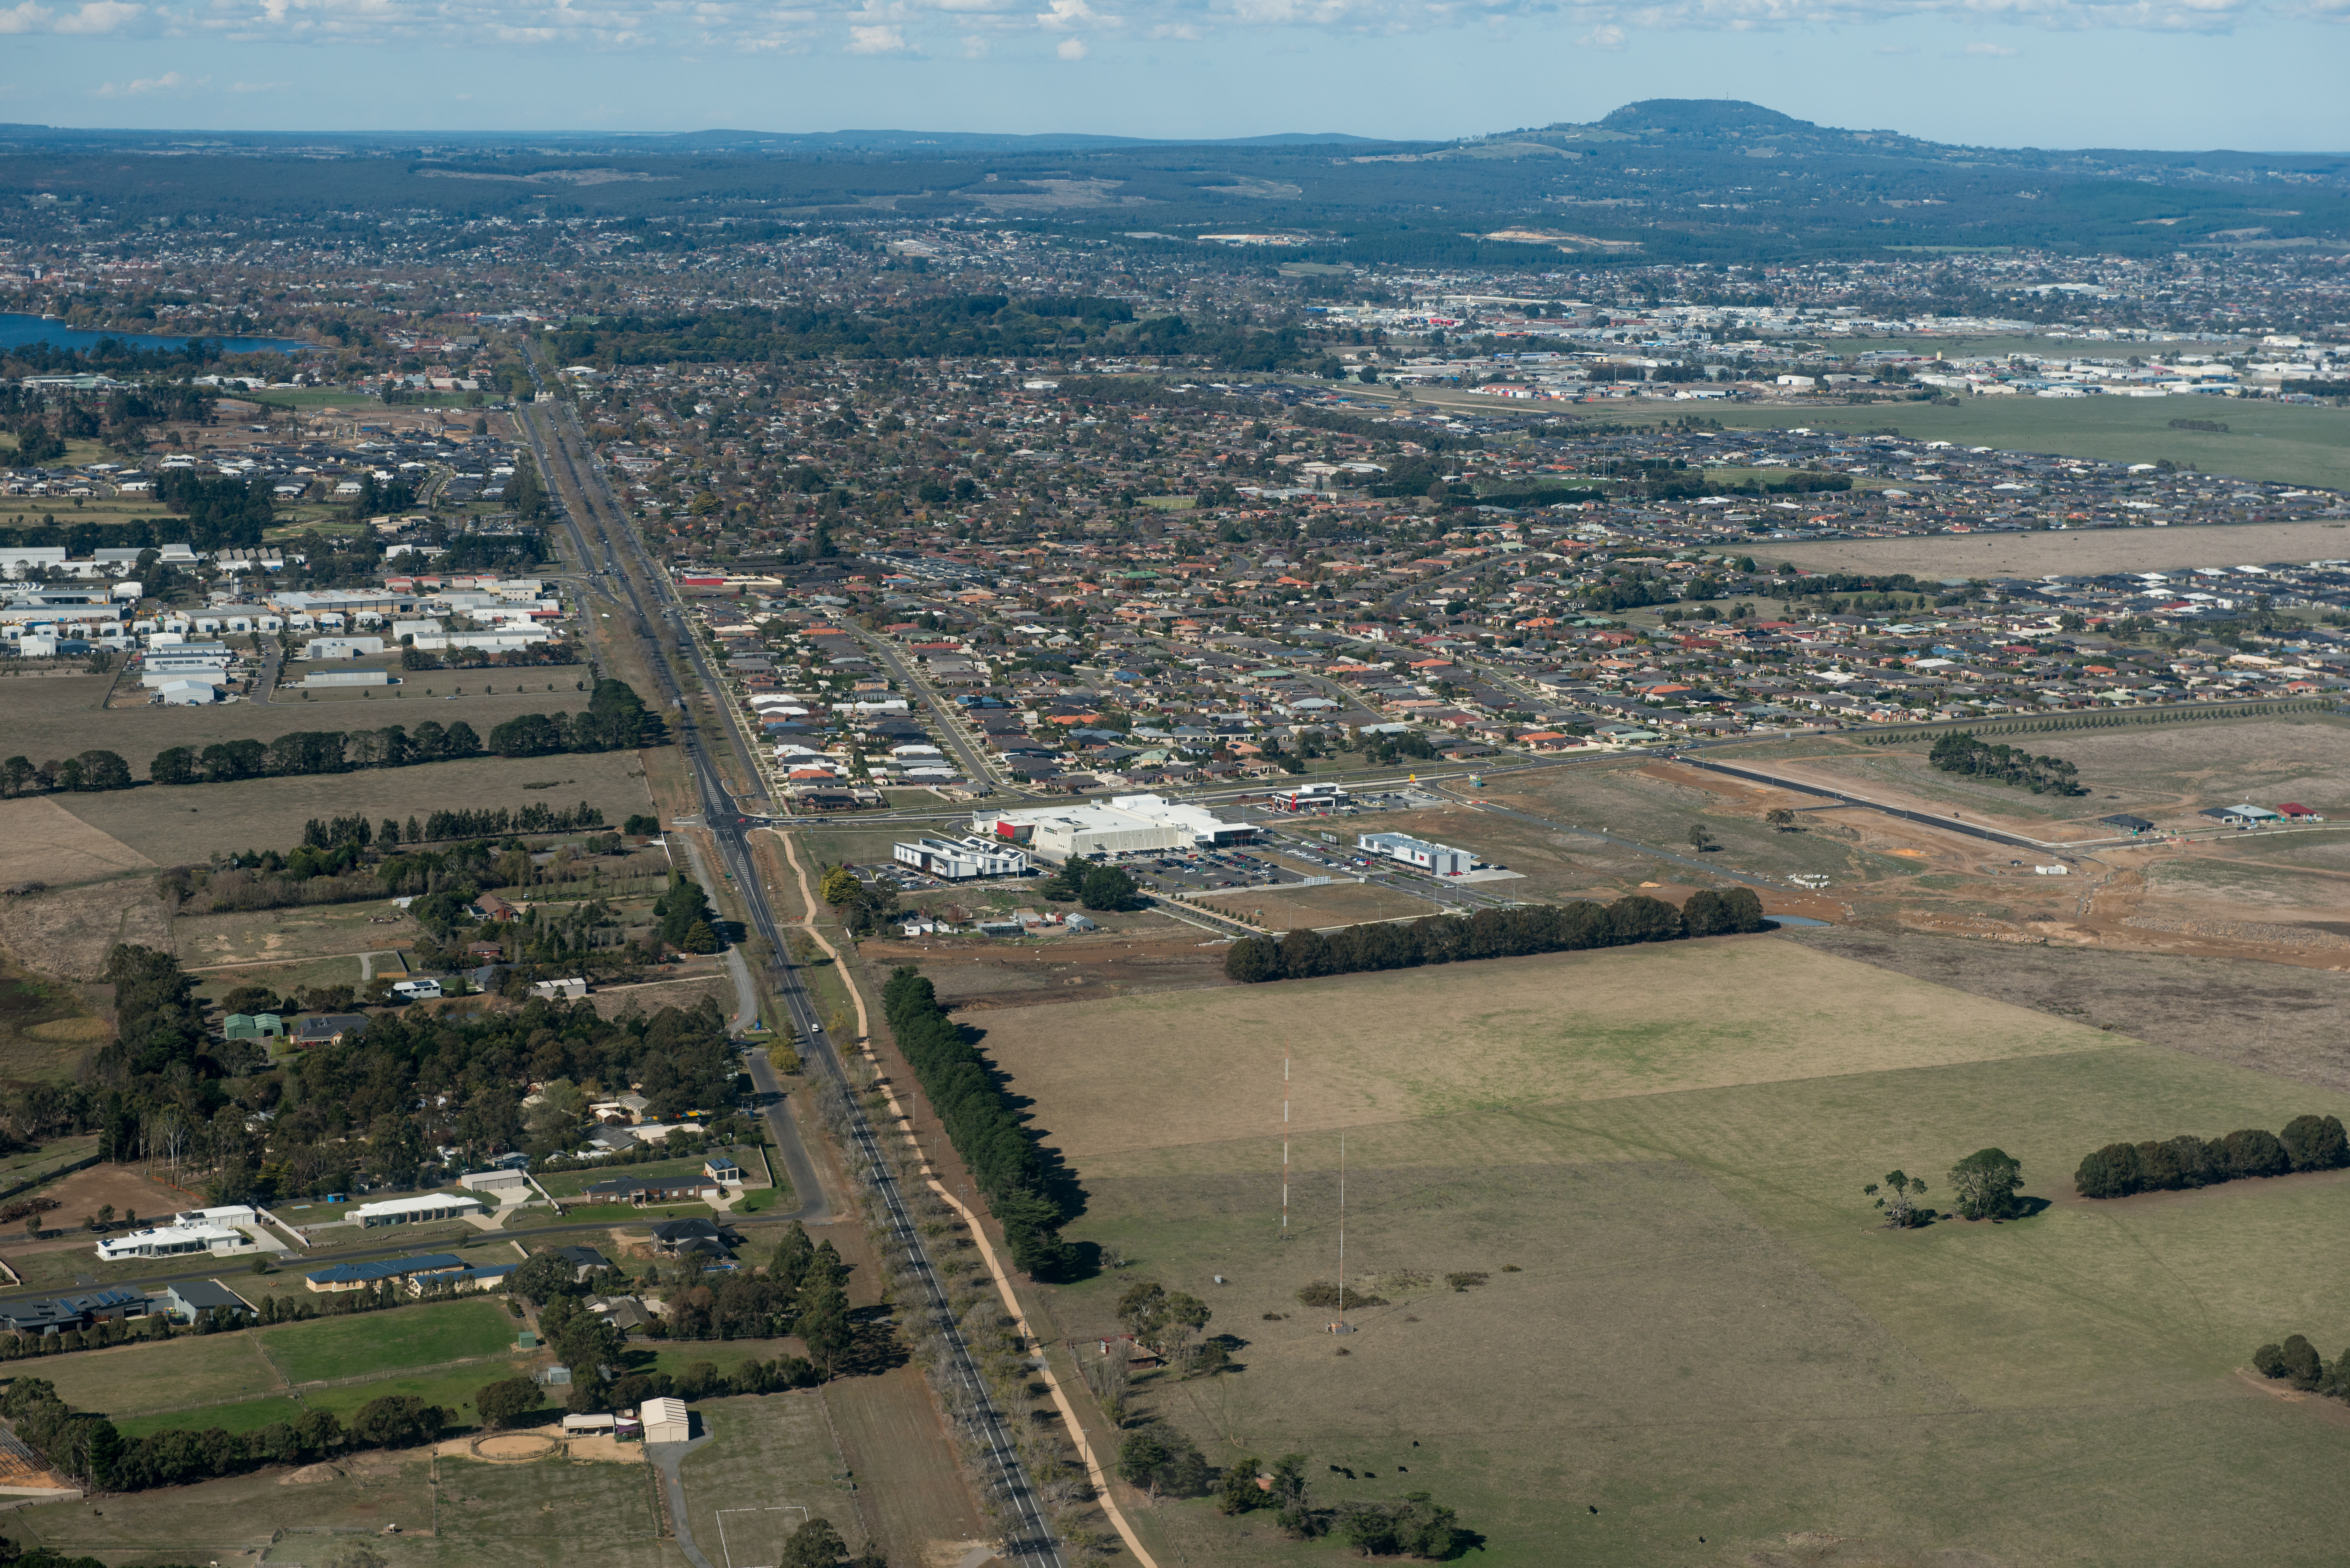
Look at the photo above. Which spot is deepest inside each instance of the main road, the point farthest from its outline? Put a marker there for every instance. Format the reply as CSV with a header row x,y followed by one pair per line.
x,y
601,529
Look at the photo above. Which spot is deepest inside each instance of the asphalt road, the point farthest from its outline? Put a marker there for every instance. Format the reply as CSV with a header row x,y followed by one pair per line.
x,y
653,598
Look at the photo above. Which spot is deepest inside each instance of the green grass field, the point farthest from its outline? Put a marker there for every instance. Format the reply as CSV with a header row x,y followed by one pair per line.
x,y
770,1468
186,1370
2263,441
1691,1321
383,1341
571,1183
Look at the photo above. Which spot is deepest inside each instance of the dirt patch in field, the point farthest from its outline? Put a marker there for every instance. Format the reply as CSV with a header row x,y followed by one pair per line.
x,y
40,841
1337,904
67,932
2286,1020
618,1001
978,973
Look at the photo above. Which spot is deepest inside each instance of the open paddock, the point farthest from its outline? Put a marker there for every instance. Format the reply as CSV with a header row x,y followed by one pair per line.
x,y
57,716
46,1024
243,1516
67,932
173,826
1336,904
2297,445
41,841
2072,551
1688,1318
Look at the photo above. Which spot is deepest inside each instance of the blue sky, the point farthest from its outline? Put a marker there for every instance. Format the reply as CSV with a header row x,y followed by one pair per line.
x,y
2256,74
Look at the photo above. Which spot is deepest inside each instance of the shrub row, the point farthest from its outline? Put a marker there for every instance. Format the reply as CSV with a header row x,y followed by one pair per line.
x,y
2296,1360
1003,1154
85,1445
2169,1165
1494,933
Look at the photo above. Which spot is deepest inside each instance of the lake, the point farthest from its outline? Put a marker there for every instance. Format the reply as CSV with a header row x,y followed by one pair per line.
x,y
17,329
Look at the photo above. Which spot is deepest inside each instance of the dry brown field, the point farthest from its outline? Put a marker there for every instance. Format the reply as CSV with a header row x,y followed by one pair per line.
x,y
175,825
2282,1021
1335,904
976,974
2165,773
1383,1048
56,716
67,932
40,841
2073,551
282,936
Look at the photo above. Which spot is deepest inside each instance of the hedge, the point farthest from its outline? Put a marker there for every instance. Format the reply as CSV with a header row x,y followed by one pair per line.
x,y
1011,1168
1494,933
2171,1165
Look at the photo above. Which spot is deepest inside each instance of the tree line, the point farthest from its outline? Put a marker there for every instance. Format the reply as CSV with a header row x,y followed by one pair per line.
x,y
1021,1179
2183,1163
85,1444
616,720
1494,933
1964,752
2296,1360
86,773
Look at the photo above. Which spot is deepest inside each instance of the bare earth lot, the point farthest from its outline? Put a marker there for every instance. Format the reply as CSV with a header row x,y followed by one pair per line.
x,y
67,931
1688,1321
2085,551
1338,904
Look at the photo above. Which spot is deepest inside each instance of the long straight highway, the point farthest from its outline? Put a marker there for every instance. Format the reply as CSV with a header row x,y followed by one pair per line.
x,y
600,531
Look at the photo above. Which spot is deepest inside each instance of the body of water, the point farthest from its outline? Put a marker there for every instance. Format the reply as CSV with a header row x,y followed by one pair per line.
x,y
17,329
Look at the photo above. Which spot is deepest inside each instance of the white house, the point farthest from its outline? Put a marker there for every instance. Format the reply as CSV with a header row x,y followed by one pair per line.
x,y
213,1231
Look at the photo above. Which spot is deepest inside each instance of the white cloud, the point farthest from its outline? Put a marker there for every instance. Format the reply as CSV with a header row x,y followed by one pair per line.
x,y
1996,51
974,47
258,87
99,16
170,81
1072,49
907,26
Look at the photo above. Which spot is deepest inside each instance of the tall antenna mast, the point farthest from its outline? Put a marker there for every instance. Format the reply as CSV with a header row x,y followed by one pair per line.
x,y
1342,1222
1285,1148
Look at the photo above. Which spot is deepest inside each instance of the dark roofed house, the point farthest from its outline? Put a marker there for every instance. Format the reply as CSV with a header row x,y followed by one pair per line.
x,y
190,1297
685,1188
2126,822
584,1261
676,1238
55,1314
328,1028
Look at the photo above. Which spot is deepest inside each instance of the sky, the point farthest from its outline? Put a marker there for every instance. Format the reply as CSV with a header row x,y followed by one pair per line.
x,y
2260,75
